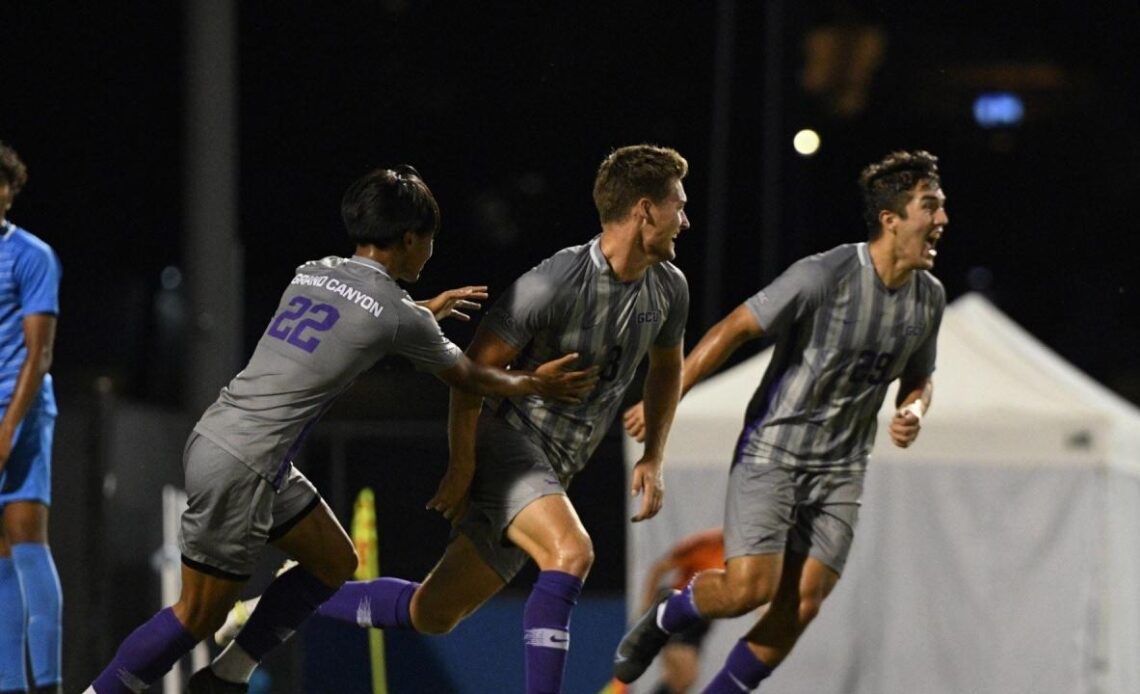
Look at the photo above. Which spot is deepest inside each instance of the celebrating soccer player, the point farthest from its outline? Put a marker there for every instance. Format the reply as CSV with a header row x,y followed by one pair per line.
x,y
336,318
612,301
847,322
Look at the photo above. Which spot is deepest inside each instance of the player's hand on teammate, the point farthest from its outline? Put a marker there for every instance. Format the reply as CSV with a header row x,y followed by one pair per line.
x,y
453,302
649,482
556,383
906,424
451,496
634,422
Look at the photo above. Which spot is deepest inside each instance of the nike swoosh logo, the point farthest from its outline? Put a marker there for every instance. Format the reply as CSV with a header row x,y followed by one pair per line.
x,y
737,682
555,639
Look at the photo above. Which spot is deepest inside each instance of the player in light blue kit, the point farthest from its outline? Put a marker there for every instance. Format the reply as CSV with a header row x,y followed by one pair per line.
x,y
336,318
612,300
847,323
30,599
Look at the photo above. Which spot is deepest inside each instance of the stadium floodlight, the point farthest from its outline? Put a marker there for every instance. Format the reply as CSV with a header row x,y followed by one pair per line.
x,y
806,142
998,110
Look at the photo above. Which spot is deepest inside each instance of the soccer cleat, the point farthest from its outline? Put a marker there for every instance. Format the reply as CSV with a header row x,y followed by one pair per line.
x,y
206,682
639,647
235,620
240,612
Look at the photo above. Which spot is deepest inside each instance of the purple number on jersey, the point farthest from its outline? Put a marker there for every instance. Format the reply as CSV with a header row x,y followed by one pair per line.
x,y
281,329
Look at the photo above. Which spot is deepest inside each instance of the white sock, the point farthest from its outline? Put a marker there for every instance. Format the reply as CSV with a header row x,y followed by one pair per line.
x,y
89,690
233,664
660,614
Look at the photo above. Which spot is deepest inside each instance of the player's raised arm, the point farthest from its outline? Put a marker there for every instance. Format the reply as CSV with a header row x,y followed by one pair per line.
x,y
715,347
456,303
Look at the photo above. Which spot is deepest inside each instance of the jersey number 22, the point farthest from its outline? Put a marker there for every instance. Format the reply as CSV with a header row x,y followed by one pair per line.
x,y
287,327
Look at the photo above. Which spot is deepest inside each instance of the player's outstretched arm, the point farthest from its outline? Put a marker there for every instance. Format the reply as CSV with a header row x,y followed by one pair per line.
x,y
662,392
551,380
715,347
481,371
454,302
912,403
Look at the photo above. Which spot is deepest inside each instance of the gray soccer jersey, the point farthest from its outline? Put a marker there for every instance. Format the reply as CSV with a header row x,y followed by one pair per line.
x,y
572,302
337,317
842,337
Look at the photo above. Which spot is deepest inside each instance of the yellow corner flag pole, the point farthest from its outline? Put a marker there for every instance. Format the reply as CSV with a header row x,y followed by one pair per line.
x,y
368,549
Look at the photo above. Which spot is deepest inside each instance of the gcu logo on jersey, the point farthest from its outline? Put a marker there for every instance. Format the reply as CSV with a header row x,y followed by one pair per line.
x,y
653,316
909,330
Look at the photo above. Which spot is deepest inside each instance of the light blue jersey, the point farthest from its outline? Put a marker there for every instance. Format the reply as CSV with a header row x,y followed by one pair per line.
x,y
29,284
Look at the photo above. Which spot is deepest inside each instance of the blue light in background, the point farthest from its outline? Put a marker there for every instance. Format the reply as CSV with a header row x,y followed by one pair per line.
x,y
998,109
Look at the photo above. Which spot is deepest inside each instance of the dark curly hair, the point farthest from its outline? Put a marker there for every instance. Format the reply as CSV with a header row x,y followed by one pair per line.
x,y
633,172
887,184
12,169
380,207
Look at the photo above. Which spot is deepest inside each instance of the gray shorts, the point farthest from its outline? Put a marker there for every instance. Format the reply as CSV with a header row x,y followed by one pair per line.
x,y
771,508
511,471
233,512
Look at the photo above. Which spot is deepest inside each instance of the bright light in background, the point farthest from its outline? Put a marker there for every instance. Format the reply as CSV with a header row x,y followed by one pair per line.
x,y
998,109
806,142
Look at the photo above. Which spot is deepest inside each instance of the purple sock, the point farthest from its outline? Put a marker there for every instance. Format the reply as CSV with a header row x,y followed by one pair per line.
x,y
680,611
146,655
546,629
286,603
742,672
384,603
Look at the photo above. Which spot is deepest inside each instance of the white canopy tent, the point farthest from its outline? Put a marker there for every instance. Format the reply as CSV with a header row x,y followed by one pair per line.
x,y
999,554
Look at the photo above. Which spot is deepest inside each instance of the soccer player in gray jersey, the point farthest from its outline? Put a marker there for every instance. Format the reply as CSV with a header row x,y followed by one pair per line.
x,y
336,318
612,301
847,323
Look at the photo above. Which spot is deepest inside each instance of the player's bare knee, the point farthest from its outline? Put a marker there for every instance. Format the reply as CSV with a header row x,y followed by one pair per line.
x,y
336,567
433,622
580,557
742,597
809,608
343,567
573,554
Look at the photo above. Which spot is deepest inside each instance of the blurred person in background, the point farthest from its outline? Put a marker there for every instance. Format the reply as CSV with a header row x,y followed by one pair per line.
x,y
681,655
30,597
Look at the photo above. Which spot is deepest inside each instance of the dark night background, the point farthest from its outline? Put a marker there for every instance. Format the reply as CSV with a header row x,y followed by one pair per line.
x,y
507,108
